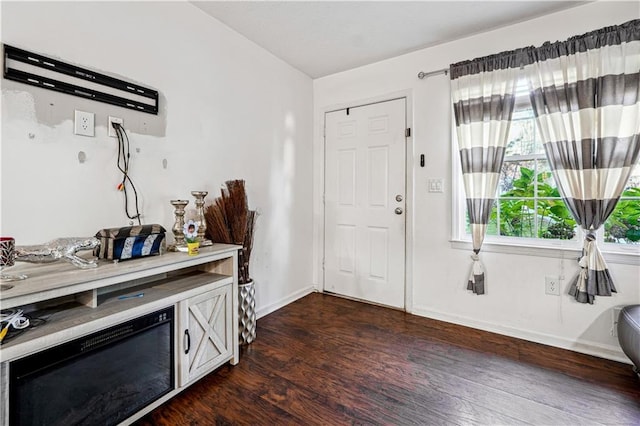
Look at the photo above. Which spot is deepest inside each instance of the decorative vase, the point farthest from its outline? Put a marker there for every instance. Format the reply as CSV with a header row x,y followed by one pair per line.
x,y
247,312
193,248
178,235
7,260
202,223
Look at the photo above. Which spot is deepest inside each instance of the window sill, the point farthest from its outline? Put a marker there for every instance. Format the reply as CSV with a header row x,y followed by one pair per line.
x,y
617,257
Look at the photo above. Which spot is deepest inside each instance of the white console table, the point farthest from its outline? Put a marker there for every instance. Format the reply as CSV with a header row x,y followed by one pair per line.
x,y
199,287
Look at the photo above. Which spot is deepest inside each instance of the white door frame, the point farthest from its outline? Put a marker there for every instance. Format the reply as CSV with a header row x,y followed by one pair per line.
x,y
318,196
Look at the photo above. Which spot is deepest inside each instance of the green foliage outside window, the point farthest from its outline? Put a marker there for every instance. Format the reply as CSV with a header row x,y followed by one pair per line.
x,y
525,212
623,226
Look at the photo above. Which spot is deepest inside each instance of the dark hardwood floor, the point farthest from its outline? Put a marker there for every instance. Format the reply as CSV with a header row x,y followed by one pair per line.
x,y
331,361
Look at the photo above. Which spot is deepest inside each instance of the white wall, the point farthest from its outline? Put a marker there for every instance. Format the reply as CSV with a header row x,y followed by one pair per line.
x,y
229,110
246,114
515,303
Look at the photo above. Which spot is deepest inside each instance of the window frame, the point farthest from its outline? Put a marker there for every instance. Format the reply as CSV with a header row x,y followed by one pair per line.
x,y
542,247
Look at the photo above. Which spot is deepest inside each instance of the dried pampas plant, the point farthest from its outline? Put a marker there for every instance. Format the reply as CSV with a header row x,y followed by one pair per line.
x,y
217,229
230,221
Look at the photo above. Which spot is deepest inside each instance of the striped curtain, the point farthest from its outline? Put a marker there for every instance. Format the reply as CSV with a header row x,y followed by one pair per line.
x,y
585,96
483,96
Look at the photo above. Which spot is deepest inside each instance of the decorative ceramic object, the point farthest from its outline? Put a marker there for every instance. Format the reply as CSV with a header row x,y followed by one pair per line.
x,y
7,260
177,230
190,231
193,248
130,242
60,249
202,223
247,313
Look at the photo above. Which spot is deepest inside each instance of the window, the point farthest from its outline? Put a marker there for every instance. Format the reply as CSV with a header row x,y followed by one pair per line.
x,y
623,226
529,209
528,203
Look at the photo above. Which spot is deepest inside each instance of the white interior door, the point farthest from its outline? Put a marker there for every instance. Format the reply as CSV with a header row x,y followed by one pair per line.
x,y
364,255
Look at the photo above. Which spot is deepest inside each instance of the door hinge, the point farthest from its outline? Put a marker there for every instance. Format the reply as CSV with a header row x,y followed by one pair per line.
x,y
407,132
323,264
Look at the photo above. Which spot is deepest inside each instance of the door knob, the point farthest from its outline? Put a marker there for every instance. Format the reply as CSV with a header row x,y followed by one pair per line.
x,y
398,210
398,198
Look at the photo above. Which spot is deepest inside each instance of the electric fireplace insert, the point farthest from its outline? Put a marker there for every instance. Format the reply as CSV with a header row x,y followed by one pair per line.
x,y
99,379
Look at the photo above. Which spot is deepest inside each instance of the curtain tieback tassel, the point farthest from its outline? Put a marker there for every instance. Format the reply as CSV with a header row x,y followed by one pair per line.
x,y
584,262
476,268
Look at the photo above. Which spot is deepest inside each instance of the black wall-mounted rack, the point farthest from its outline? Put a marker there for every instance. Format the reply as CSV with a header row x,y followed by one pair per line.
x,y
122,88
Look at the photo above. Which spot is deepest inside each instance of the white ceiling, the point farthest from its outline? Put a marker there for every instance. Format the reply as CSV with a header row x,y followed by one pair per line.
x,y
324,37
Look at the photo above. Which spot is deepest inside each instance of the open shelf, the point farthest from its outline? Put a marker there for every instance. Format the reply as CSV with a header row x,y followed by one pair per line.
x,y
72,319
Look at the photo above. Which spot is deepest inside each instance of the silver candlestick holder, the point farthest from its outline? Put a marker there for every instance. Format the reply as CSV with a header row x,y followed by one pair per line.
x,y
178,231
202,223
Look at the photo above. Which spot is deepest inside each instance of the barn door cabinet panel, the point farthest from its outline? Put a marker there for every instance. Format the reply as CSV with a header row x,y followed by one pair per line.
x,y
207,338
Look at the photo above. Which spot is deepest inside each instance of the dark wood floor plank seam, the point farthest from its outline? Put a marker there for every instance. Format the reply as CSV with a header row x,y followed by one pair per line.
x,y
351,394
427,411
314,405
390,390
501,374
448,341
586,416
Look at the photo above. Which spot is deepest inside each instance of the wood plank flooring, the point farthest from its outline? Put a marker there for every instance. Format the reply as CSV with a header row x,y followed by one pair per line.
x,y
324,360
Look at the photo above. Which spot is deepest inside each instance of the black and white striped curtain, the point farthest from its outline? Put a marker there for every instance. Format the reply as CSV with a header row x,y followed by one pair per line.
x,y
585,96
483,95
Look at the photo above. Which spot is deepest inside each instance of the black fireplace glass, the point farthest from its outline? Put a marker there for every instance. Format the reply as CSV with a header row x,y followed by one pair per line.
x,y
100,379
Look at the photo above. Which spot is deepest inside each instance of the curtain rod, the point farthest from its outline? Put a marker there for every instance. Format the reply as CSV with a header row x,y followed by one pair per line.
x,y
422,74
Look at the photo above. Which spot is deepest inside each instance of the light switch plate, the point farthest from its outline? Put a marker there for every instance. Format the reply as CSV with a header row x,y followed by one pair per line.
x,y
84,123
436,185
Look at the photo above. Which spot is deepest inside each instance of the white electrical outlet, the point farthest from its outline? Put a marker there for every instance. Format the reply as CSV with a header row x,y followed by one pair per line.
x,y
552,286
112,130
84,123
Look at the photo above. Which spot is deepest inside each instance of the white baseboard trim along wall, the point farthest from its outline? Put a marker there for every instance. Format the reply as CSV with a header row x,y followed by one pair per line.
x,y
612,353
266,310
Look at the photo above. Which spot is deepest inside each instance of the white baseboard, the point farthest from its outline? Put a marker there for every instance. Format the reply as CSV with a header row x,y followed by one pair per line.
x,y
266,310
612,353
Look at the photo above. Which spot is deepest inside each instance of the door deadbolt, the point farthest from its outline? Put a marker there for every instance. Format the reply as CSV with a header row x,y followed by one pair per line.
x,y
398,210
398,198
